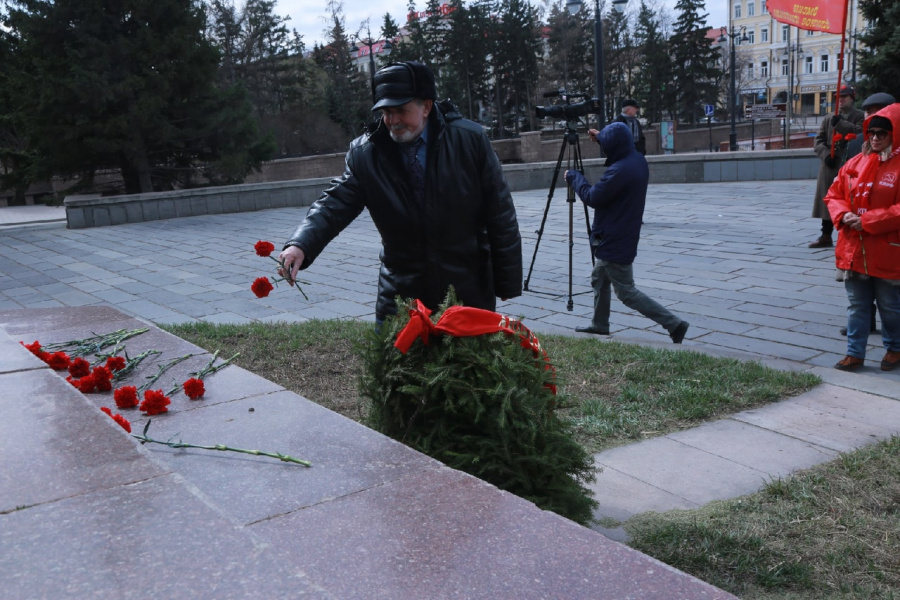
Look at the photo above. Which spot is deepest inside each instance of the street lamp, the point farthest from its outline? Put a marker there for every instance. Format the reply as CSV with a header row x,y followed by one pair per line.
x,y
733,35
789,51
573,6
386,49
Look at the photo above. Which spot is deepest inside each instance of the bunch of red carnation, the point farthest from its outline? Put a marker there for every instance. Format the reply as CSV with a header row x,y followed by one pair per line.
x,y
263,286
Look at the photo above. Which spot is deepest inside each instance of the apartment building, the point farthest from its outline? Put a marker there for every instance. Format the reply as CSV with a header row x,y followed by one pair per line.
x,y
779,61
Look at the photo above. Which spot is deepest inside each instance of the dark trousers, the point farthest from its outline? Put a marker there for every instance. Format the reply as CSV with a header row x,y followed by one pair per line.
x,y
827,228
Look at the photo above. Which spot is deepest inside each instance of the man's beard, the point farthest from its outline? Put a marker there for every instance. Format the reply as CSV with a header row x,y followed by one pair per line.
x,y
404,135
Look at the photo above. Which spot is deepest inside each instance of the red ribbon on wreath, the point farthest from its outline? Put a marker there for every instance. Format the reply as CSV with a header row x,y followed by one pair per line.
x,y
465,321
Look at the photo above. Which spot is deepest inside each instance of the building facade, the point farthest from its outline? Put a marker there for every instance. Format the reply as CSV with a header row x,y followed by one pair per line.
x,y
778,61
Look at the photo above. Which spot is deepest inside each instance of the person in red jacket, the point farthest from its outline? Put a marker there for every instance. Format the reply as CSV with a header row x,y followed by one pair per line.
x,y
864,204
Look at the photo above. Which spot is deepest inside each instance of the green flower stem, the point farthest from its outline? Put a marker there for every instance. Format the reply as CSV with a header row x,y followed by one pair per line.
x,y
132,363
162,369
96,343
296,282
209,369
144,439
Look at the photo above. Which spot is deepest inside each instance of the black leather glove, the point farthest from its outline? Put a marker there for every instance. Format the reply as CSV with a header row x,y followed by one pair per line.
x,y
831,161
835,119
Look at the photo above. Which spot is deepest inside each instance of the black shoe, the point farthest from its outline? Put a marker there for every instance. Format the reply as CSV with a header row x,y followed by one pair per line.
x,y
822,242
843,331
591,329
678,333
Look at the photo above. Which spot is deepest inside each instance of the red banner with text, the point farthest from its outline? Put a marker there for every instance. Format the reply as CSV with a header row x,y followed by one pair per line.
x,y
813,15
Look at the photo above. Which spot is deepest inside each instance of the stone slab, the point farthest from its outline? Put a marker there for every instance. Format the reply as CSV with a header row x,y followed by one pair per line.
x,y
347,457
448,535
681,470
815,425
56,445
774,454
14,357
153,539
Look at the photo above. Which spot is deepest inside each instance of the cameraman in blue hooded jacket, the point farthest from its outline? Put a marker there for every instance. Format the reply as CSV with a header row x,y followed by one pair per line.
x,y
618,202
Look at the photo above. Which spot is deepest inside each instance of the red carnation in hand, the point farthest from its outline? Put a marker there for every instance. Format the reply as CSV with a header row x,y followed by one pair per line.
x,y
58,361
115,363
194,388
86,385
126,397
102,379
850,136
155,403
837,137
261,287
263,248
79,368
118,419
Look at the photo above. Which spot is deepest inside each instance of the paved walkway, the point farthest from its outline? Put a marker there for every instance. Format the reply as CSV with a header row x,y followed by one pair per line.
x,y
730,258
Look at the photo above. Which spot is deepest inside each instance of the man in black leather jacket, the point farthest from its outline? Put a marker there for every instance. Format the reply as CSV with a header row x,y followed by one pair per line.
x,y
441,205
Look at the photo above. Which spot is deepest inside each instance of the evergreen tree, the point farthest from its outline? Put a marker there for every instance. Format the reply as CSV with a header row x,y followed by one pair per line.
x,y
518,50
879,58
569,61
654,70
128,85
389,28
620,61
348,96
696,67
467,69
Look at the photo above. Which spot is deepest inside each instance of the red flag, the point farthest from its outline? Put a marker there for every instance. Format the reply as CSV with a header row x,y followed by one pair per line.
x,y
812,15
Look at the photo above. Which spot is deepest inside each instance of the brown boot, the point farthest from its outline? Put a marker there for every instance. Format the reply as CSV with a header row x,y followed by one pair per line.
x,y
849,363
890,361
822,242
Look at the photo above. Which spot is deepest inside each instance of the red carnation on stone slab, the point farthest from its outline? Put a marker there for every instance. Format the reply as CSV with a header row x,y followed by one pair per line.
x,y
115,363
102,379
194,388
264,248
85,385
79,368
155,403
262,287
58,361
126,397
118,419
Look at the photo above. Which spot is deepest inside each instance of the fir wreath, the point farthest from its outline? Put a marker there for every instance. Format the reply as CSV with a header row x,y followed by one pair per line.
x,y
480,404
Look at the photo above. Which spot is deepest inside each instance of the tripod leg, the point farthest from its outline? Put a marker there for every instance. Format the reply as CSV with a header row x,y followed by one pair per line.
x,y
540,231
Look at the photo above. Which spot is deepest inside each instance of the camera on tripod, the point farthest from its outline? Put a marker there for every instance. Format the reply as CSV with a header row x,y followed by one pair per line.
x,y
568,110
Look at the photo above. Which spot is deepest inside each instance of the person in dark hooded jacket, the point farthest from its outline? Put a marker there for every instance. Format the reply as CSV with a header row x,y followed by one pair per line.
x,y
618,202
435,190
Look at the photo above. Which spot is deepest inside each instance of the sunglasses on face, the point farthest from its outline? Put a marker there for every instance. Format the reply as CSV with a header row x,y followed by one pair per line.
x,y
878,134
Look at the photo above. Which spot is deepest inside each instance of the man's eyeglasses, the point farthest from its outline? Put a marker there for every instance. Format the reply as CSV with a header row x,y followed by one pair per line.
x,y
877,134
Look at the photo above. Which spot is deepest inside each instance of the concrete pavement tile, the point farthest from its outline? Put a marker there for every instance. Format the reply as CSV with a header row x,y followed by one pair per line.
x,y
854,405
815,425
620,496
869,380
682,470
14,357
774,454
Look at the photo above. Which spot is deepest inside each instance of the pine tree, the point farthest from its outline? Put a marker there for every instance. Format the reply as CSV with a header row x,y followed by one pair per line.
x,y
695,66
655,67
569,63
128,85
481,405
518,51
467,68
389,28
879,58
348,96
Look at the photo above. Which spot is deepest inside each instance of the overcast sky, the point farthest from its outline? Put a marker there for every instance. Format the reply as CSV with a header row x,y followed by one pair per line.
x,y
308,16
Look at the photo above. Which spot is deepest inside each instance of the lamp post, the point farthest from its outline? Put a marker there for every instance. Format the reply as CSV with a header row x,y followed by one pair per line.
x,y
732,36
386,49
573,6
789,51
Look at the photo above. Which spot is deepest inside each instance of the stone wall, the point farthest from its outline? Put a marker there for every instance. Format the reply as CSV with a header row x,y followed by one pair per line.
x,y
93,211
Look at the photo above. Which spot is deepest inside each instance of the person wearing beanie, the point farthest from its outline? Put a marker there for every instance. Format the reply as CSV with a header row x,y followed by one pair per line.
x,y
433,186
847,121
864,204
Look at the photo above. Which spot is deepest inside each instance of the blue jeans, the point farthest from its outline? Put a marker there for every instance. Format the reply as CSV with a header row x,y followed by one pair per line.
x,y
861,293
621,279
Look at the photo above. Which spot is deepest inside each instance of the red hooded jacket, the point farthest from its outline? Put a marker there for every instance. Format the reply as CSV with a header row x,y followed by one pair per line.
x,y
869,187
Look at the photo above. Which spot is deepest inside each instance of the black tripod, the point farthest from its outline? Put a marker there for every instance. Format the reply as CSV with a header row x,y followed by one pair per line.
x,y
570,141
